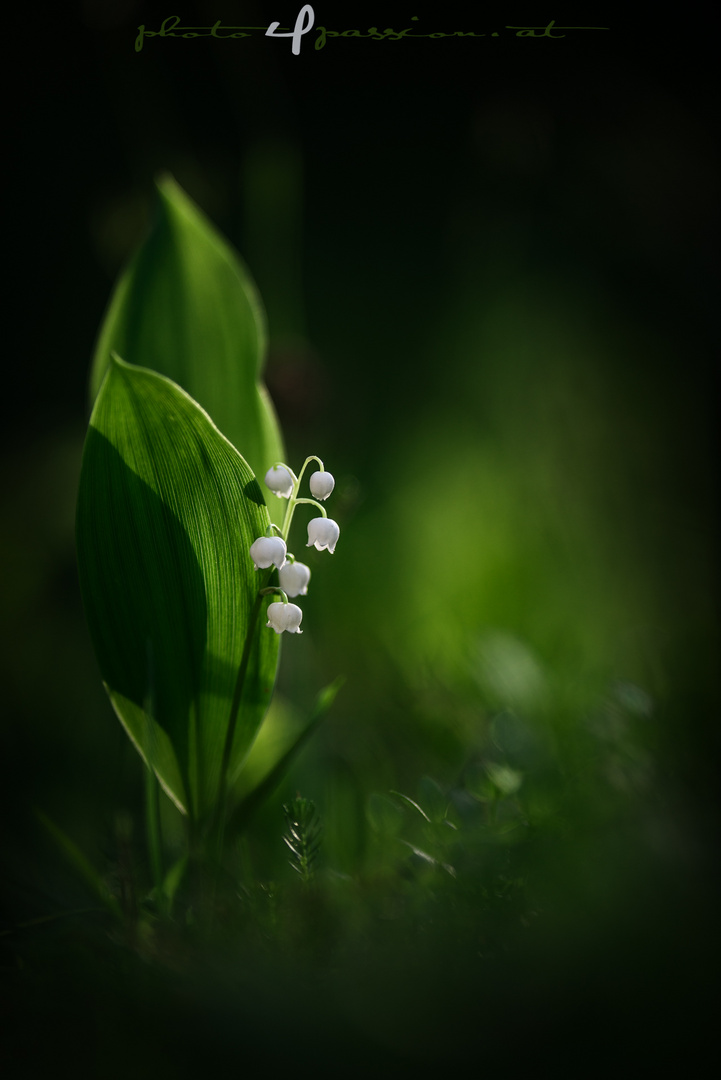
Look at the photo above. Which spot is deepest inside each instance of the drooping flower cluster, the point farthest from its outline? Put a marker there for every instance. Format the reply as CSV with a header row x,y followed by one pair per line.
x,y
272,550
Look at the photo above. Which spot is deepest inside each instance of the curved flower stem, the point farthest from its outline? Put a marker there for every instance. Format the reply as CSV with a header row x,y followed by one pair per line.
x,y
272,589
312,502
291,510
293,500
288,516
305,466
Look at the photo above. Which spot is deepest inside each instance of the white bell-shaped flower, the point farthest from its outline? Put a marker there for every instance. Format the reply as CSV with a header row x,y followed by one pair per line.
x,y
321,485
268,551
279,481
285,617
294,578
323,533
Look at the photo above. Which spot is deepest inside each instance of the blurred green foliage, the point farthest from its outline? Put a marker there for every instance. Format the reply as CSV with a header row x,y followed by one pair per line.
x,y
501,344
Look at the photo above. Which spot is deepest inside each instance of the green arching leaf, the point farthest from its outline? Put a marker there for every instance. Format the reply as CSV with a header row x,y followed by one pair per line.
x,y
272,779
187,308
152,743
409,802
167,511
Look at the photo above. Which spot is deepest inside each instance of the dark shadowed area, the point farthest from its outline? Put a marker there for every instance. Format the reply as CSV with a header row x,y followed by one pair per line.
x,y
489,266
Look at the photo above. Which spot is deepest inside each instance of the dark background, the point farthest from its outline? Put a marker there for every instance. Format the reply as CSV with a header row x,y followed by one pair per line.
x,y
489,267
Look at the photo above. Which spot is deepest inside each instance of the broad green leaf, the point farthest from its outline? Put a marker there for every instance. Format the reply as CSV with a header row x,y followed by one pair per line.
x,y
167,510
187,308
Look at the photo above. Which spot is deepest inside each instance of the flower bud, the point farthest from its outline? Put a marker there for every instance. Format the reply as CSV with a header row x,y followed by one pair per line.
x,y
321,485
279,481
284,617
294,578
268,551
323,533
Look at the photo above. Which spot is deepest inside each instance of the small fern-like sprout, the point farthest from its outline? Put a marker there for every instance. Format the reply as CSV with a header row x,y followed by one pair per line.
x,y
304,836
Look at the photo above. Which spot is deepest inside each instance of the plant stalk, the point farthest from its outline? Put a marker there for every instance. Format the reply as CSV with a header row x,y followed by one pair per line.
x,y
152,821
218,826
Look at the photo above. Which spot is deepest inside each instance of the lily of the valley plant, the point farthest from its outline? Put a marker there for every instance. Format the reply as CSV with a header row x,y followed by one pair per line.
x,y
169,506
272,550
